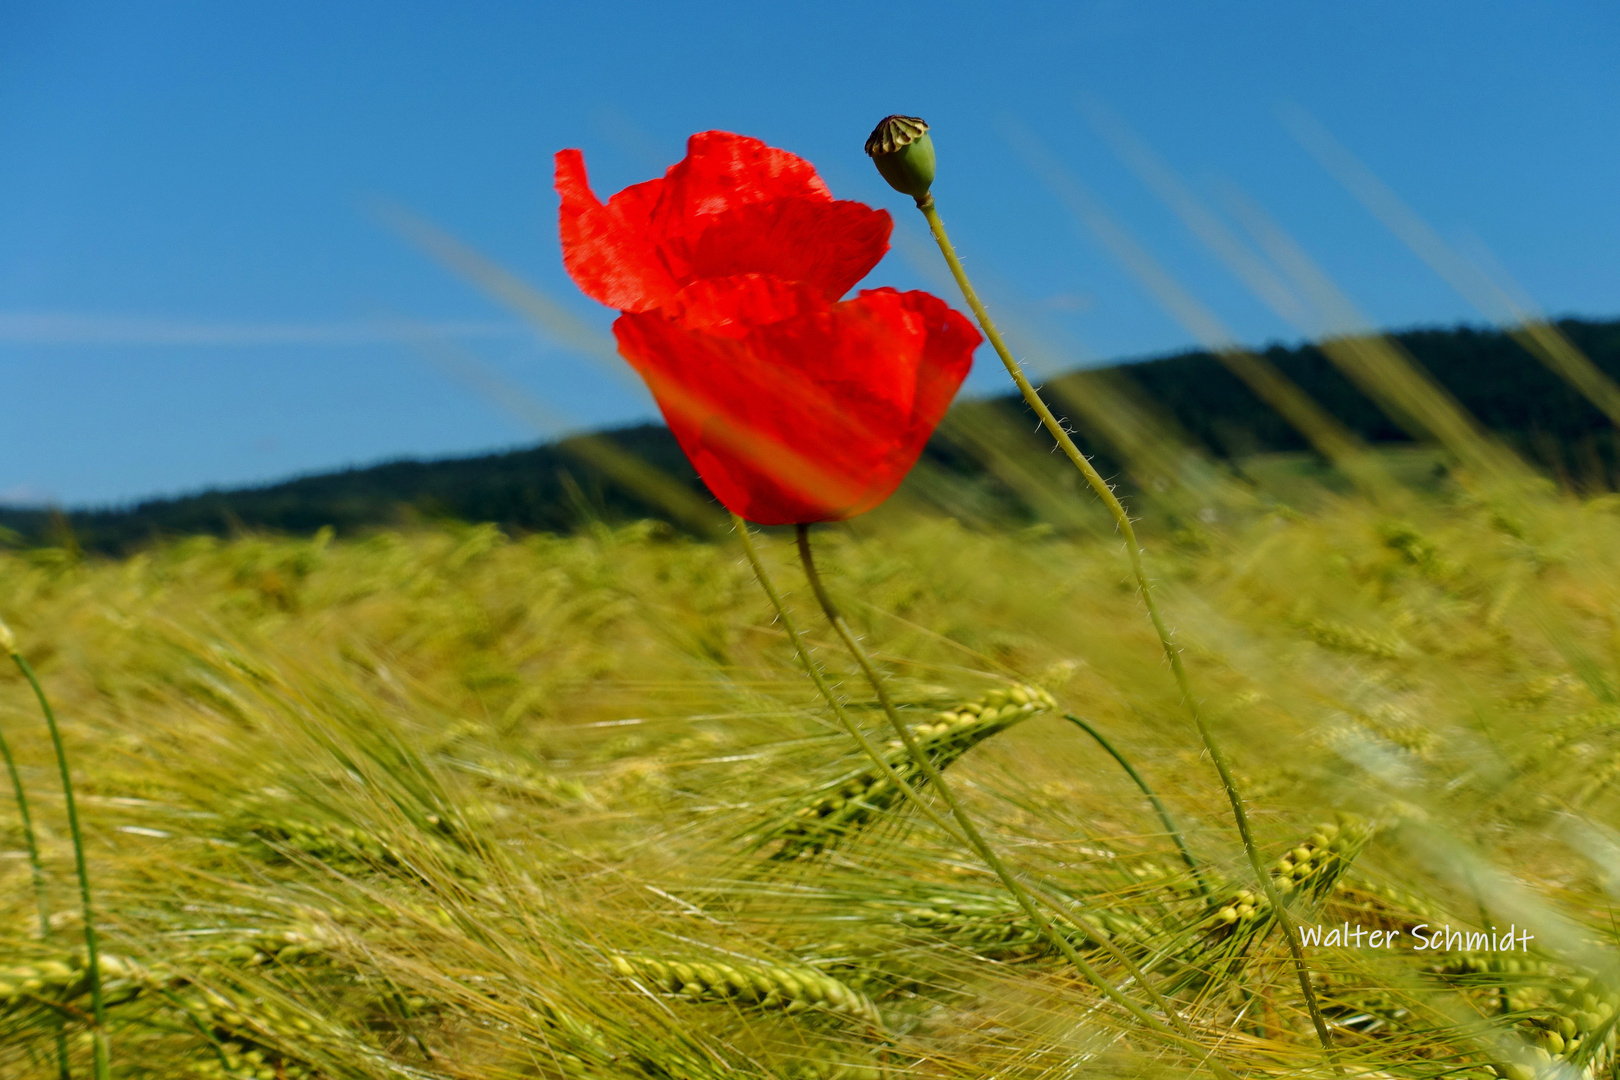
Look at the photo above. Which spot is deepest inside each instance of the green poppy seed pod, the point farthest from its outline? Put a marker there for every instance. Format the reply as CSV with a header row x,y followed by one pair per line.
x,y
902,151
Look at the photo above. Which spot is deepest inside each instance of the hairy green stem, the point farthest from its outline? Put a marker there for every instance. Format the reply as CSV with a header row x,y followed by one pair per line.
x,y
970,832
103,1065
1158,804
818,677
1160,627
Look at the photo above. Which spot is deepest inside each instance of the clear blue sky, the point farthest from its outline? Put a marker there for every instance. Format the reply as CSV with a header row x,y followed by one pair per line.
x,y
194,289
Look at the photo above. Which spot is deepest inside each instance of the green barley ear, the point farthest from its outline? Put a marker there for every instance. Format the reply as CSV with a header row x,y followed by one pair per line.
x,y
834,813
1311,869
955,731
1568,1019
793,988
1307,874
1581,1027
992,924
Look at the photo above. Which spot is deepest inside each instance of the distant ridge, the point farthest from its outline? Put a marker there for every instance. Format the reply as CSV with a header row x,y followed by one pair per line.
x,y
553,487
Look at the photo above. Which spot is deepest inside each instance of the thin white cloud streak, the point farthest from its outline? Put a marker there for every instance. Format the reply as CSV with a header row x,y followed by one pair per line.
x,y
26,497
70,328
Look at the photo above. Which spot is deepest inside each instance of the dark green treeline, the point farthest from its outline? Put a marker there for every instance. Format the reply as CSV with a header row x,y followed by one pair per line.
x,y
553,488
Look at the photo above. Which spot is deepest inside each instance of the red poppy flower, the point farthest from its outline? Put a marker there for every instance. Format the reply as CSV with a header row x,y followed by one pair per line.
x,y
792,406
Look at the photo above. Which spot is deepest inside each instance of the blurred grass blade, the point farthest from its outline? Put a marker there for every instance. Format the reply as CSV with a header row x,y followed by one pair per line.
x,y
1496,302
1325,433
652,484
1377,365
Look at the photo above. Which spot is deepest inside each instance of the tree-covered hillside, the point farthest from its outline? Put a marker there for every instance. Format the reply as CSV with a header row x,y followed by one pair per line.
x,y
554,487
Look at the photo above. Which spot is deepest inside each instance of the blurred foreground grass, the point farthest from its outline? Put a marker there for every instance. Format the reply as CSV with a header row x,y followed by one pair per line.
x,y
449,804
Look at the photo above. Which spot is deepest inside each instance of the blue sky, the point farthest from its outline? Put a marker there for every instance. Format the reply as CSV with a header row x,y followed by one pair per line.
x,y
196,286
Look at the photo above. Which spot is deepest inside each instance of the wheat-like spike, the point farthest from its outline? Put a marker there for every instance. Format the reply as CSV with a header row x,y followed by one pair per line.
x,y
982,922
833,815
247,1043
244,1041
525,779
1598,780
1356,1006
1340,637
295,943
240,1057
1394,905
346,846
62,979
1582,1026
247,1039
1309,871
994,924
1495,965
330,842
1574,1019
1556,738
824,1065
755,982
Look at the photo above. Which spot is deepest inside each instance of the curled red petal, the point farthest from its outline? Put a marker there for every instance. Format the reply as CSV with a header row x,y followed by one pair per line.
x,y
814,417
608,250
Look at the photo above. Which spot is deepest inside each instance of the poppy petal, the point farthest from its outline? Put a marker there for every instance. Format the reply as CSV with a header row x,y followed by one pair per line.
x,y
607,249
829,244
734,306
814,417
722,170
732,206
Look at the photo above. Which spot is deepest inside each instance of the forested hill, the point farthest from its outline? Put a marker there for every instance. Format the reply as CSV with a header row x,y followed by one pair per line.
x,y
556,486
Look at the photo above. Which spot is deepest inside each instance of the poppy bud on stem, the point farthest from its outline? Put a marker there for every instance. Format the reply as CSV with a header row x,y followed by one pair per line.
x,y
902,151
887,146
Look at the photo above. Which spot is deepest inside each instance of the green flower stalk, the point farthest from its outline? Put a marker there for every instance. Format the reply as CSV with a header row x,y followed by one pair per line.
x,y
8,643
963,831
1181,1035
905,174
103,1066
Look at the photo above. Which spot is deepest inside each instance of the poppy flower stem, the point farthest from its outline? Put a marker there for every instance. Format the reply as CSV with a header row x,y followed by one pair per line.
x,y
1182,1036
1172,653
103,1066
819,677
909,790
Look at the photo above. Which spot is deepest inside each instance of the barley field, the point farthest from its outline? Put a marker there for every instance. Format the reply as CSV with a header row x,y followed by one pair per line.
x,y
449,803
